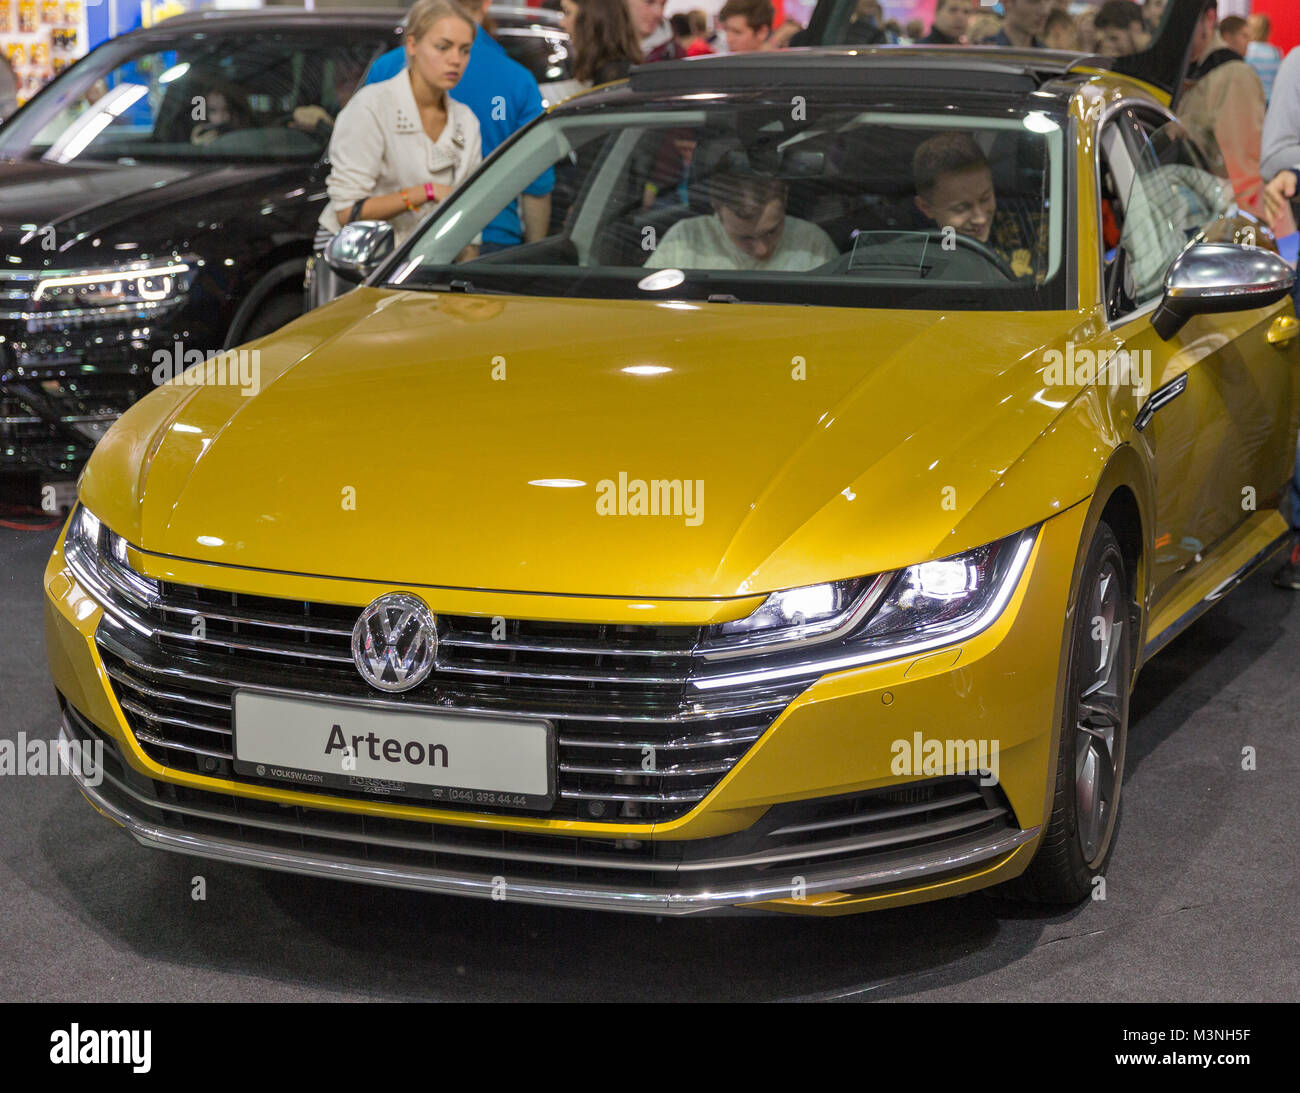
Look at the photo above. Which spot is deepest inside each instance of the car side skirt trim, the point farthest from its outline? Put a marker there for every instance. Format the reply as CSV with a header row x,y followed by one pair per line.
x,y
1213,596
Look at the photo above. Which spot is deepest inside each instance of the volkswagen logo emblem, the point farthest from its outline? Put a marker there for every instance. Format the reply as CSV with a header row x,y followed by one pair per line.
x,y
394,642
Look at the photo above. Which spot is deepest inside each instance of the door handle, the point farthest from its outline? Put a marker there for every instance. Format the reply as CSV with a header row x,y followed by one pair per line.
x,y
1285,328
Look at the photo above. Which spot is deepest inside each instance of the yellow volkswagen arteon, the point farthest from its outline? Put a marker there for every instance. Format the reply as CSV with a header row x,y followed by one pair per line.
x,y
784,531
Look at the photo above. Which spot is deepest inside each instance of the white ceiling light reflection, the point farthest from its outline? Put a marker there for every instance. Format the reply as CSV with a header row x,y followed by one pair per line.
x,y
403,273
210,540
558,483
450,225
646,369
175,72
1038,122
73,140
661,280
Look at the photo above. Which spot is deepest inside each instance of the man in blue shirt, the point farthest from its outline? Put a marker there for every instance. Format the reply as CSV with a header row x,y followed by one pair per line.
x,y
504,97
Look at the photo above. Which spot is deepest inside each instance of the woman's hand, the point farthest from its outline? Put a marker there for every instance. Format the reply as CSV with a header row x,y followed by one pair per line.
x,y
387,206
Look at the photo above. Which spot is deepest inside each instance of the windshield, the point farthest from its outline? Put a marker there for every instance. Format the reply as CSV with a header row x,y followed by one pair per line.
x,y
751,201
269,96
544,53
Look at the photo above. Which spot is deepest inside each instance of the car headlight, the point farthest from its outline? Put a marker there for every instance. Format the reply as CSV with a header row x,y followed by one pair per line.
x,y
791,617
97,557
806,632
138,285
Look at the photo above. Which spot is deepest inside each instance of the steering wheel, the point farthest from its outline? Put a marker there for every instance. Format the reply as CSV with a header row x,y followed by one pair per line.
x,y
982,249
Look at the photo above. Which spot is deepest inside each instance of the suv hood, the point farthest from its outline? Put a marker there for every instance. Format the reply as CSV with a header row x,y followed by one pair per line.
x,y
465,441
83,199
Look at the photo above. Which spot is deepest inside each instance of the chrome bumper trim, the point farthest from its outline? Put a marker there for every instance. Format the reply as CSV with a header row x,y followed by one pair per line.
x,y
681,901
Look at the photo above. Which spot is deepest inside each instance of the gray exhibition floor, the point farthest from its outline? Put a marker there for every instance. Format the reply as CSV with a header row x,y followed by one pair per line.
x,y
1203,891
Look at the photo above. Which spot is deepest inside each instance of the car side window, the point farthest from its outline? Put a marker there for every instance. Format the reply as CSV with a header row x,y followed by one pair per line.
x,y
1116,171
1162,197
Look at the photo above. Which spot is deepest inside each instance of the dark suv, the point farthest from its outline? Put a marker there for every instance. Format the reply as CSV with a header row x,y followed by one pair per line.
x,y
160,198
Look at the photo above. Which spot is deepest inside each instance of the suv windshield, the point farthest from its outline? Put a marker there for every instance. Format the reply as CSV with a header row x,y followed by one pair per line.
x,y
744,200
545,53
265,96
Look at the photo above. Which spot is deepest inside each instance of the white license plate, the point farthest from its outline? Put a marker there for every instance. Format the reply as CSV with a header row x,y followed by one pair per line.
x,y
462,759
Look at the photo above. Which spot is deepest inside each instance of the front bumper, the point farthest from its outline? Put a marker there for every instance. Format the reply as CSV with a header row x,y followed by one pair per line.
x,y
832,748
300,841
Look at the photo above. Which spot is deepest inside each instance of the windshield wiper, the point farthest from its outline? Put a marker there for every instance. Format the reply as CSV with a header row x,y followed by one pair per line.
x,y
459,284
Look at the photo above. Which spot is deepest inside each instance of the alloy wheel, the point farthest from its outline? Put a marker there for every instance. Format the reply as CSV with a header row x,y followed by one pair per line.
x,y
1100,711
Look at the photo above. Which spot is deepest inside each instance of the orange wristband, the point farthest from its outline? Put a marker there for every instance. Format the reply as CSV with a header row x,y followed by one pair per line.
x,y
407,200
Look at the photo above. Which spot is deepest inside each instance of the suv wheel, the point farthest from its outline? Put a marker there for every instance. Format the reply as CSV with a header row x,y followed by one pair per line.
x,y
273,314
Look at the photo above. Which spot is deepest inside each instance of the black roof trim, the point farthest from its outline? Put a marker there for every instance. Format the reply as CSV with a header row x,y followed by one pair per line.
x,y
972,68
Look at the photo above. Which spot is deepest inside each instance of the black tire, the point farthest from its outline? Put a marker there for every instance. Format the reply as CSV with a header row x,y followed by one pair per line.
x,y
273,314
1093,734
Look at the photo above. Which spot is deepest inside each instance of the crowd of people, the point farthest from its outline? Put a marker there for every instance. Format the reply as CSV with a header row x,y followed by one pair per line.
x,y
403,145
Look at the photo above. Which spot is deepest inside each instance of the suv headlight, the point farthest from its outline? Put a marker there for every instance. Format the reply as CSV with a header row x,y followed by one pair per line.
x,y
807,632
137,285
97,557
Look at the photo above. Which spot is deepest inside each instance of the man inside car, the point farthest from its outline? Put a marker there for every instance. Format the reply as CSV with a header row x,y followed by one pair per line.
x,y
749,230
954,188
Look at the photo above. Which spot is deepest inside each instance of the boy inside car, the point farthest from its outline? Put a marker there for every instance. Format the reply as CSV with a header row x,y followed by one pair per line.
x,y
954,188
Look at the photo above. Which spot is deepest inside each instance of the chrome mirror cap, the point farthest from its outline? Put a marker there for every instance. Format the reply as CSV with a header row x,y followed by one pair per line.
x,y
358,248
1217,277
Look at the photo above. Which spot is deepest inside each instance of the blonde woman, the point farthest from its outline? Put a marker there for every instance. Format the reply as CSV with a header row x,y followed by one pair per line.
x,y
401,145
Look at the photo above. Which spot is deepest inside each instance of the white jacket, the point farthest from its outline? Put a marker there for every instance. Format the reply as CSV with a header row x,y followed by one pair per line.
x,y
379,146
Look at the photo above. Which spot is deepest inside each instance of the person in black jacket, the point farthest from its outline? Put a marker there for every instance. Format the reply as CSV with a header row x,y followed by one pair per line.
x,y
864,28
951,21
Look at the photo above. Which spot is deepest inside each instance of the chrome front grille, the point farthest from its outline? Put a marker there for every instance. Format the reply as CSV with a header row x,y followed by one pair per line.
x,y
631,745
874,841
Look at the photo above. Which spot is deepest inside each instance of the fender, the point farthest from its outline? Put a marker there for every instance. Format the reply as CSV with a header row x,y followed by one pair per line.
x,y
1126,469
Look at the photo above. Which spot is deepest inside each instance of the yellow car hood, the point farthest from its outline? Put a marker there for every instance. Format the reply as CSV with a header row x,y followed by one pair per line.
x,y
428,439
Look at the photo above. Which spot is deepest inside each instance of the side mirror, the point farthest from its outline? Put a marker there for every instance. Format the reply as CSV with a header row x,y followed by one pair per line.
x,y
1216,277
359,248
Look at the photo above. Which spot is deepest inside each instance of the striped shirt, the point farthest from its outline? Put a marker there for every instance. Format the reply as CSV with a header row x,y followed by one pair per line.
x,y
1265,59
